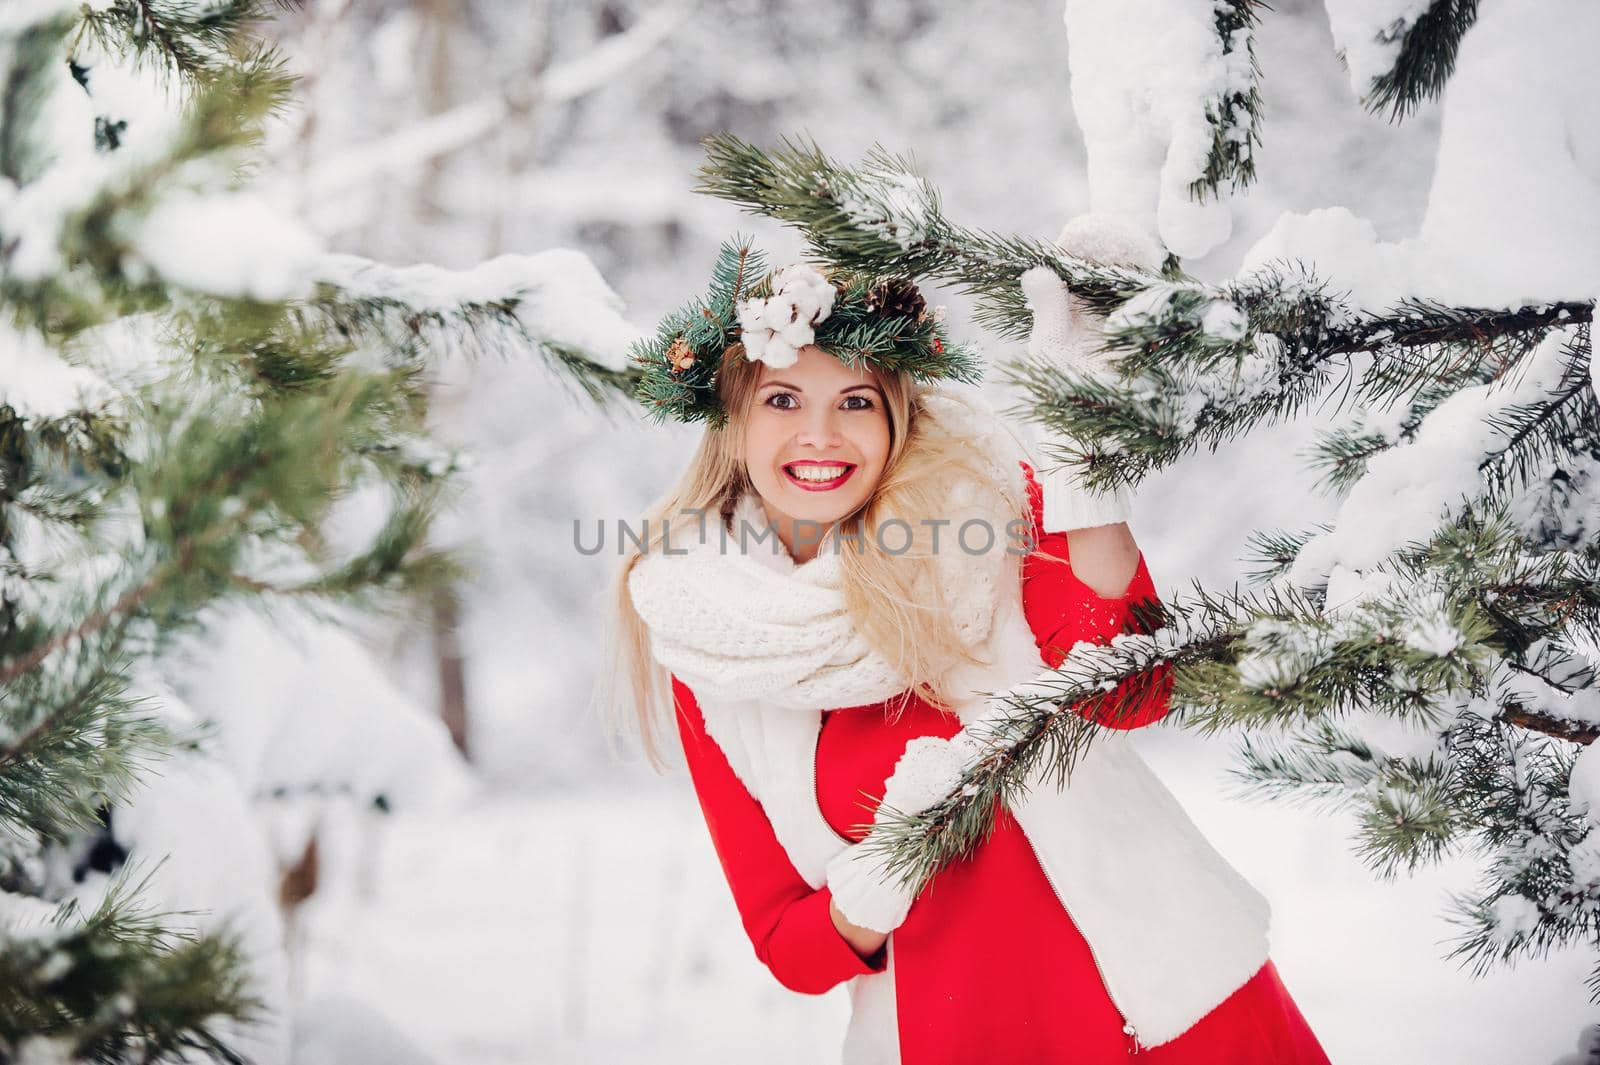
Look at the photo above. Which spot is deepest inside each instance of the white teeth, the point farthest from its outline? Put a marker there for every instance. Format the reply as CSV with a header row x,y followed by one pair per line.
x,y
817,473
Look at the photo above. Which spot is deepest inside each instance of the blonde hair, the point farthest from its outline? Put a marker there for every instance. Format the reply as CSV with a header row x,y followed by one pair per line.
x,y
634,691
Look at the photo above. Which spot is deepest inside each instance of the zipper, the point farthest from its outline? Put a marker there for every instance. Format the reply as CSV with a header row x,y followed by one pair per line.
x,y
1129,1033
816,800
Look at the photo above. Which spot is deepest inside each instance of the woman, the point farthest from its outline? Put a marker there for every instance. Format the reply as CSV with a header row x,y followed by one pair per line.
x,y
838,660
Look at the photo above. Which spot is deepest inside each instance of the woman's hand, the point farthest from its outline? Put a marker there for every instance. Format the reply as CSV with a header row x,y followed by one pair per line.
x,y
867,896
1066,334
865,941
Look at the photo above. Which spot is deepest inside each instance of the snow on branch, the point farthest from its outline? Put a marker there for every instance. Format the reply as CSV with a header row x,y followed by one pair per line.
x,y
1166,94
1399,52
1197,364
455,129
554,300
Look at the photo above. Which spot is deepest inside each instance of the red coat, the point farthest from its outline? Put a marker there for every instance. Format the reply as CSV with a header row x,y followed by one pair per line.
x,y
988,964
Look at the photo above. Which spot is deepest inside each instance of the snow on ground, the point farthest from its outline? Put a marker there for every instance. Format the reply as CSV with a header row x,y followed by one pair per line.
x,y
563,929
575,928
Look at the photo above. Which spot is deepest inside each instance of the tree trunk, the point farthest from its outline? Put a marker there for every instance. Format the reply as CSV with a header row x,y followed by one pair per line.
x,y
451,664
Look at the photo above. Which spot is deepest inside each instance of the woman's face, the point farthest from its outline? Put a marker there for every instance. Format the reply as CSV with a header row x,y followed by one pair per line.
x,y
816,442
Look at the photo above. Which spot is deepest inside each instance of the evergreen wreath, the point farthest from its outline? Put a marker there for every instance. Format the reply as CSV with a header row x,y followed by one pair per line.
x,y
883,321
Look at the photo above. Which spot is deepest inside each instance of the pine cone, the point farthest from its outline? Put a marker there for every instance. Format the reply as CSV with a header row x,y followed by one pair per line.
x,y
680,355
896,296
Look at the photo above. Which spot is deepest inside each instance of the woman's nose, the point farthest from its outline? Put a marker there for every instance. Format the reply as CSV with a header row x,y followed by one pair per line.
x,y
820,428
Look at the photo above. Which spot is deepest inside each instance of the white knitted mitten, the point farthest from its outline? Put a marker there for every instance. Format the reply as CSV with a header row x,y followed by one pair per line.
x,y
863,888
1066,333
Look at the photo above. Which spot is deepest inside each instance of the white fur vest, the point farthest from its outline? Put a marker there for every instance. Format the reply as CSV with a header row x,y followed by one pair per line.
x,y
765,646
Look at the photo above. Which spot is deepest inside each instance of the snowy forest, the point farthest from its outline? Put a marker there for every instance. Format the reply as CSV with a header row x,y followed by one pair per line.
x,y
320,345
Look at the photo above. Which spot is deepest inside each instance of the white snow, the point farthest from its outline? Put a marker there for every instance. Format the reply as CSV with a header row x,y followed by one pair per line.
x,y
203,859
1147,305
1594,363
1369,34
335,721
1349,589
895,205
228,244
20,14
1580,705
1515,200
1279,654
1392,737
1515,916
1343,249
120,90
1583,787
1409,489
46,1050
39,383
23,916
1144,73
560,296
1430,630
1224,321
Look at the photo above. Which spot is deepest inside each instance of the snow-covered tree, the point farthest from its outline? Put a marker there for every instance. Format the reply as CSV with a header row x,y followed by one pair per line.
x,y
1428,657
202,410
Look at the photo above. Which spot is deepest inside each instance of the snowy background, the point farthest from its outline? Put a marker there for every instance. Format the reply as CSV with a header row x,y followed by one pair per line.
x,y
554,901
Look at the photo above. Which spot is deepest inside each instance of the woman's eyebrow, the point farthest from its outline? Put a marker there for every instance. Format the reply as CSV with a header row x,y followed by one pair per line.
x,y
797,388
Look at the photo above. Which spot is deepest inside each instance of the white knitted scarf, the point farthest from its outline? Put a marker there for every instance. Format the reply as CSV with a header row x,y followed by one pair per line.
x,y
736,618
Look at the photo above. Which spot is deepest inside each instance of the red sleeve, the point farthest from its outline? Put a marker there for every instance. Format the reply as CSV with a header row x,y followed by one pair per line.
x,y
786,919
1062,610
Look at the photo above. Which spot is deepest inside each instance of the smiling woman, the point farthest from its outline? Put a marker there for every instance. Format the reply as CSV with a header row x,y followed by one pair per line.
x,y
808,683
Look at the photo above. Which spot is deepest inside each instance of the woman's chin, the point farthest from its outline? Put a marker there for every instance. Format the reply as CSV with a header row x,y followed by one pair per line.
x,y
824,512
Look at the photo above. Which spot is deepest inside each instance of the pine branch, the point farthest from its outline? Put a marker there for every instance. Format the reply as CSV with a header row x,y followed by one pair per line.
x,y
1275,660
217,480
27,55
881,217
1274,553
1532,899
1195,365
73,741
119,985
196,42
404,334
221,123
1426,59
1550,725
1234,116
1531,434
1547,427
1034,734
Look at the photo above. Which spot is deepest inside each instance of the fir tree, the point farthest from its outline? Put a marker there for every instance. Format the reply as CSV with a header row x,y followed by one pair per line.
x,y
191,389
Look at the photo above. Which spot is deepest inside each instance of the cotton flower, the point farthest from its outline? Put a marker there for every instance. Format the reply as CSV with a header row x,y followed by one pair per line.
x,y
774,329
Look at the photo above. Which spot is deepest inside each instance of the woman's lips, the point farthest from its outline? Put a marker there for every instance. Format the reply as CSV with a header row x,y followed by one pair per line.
x,y
819,486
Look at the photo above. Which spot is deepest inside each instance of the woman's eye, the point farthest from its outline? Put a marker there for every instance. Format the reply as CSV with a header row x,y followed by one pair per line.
x,y
772,401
